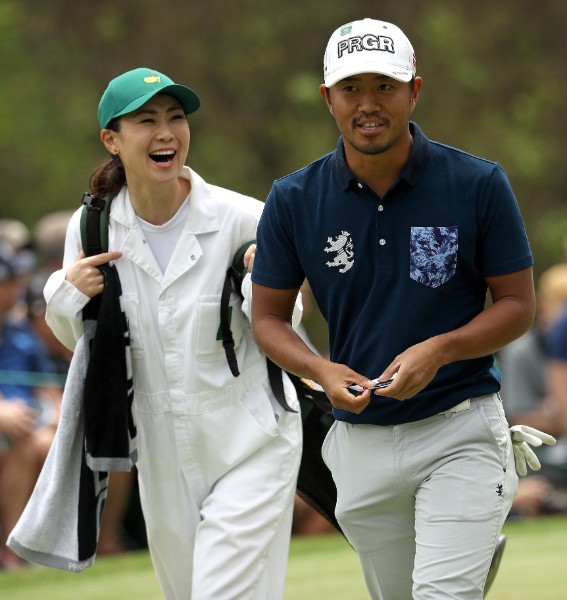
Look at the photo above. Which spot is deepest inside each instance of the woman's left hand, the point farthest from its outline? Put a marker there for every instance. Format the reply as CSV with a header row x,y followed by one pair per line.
x,y
249,257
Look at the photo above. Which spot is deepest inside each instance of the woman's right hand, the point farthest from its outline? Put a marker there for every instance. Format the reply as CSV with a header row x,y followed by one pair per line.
x,y
85,275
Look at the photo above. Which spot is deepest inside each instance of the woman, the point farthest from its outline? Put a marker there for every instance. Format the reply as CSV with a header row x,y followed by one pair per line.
x,y
218,457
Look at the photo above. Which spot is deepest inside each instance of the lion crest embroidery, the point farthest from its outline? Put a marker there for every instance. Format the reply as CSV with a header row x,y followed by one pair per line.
x,y
343,246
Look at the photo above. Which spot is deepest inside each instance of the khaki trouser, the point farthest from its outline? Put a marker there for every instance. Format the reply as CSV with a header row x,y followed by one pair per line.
x,y
423,503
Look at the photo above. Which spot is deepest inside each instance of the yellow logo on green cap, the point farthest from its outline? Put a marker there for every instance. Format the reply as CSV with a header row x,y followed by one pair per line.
x,y
152,79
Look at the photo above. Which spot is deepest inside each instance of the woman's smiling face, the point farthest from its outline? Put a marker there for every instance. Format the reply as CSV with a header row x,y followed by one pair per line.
x,y
152,141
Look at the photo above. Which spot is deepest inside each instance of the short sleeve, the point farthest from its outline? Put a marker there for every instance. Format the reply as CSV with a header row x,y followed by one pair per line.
x,y
277,264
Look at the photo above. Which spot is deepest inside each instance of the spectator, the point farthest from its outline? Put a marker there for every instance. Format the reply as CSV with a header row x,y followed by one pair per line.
x,y
29,403
524,387
556,372
556,346
528,399
49,243
36,306
15,234
49,240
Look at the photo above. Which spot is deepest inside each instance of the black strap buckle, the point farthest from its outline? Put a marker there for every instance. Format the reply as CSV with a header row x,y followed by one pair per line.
x,y
93,202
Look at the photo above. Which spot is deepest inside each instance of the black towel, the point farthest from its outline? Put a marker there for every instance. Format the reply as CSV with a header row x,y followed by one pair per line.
x,y
108,391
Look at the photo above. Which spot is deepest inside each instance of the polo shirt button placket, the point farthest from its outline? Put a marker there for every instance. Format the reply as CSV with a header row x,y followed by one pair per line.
x,y
381,241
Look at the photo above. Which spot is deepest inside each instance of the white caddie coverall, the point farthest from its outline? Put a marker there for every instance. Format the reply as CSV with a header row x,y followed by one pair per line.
x,y
218,457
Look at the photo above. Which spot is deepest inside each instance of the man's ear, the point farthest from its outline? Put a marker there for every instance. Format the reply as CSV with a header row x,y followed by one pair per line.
x,y
326,93
415,92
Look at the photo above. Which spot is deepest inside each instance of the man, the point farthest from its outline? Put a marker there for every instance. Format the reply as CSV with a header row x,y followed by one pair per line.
x,y
400,239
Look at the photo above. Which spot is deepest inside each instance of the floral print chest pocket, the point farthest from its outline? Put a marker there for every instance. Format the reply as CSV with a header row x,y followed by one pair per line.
x,y
433,254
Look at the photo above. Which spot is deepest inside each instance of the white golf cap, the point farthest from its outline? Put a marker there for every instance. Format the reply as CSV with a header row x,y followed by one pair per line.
x,y
368,46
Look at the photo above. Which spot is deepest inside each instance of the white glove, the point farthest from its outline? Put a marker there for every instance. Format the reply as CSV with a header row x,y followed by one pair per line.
x,y
522,437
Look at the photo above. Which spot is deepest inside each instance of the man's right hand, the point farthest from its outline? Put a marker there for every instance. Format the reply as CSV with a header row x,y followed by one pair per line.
x,y
336,379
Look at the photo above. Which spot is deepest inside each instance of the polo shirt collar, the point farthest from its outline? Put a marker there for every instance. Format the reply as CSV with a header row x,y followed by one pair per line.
x,y
411,172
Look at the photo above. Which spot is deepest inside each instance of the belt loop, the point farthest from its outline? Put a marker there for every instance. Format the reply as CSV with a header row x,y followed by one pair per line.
x,y
462,406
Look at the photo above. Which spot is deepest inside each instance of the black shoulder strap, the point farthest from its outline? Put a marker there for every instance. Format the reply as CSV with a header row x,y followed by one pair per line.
x,y
233,281
227,339
94,224
275,375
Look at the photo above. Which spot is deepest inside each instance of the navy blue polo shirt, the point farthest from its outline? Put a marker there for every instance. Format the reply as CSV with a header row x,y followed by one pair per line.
x,y
389,272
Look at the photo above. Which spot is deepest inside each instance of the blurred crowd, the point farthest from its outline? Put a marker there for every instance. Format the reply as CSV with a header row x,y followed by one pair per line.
x,y
534,392
33,366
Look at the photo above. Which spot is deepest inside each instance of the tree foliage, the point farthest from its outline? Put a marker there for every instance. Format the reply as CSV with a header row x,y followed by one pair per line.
x,y
492,74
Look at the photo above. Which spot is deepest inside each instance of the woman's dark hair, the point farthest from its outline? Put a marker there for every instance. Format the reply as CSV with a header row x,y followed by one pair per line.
x,y
110,176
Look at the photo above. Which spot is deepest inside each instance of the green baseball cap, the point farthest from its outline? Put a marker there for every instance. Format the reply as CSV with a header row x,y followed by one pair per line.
x,y
132,89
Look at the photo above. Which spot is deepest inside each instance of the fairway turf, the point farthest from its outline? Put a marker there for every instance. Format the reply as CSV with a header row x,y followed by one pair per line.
x,y
534,566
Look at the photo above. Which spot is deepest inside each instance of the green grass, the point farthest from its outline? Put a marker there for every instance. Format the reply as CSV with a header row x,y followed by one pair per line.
x,y
534,566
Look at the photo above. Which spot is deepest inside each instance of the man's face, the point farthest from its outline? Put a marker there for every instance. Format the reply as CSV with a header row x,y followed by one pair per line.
x,y
372,111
